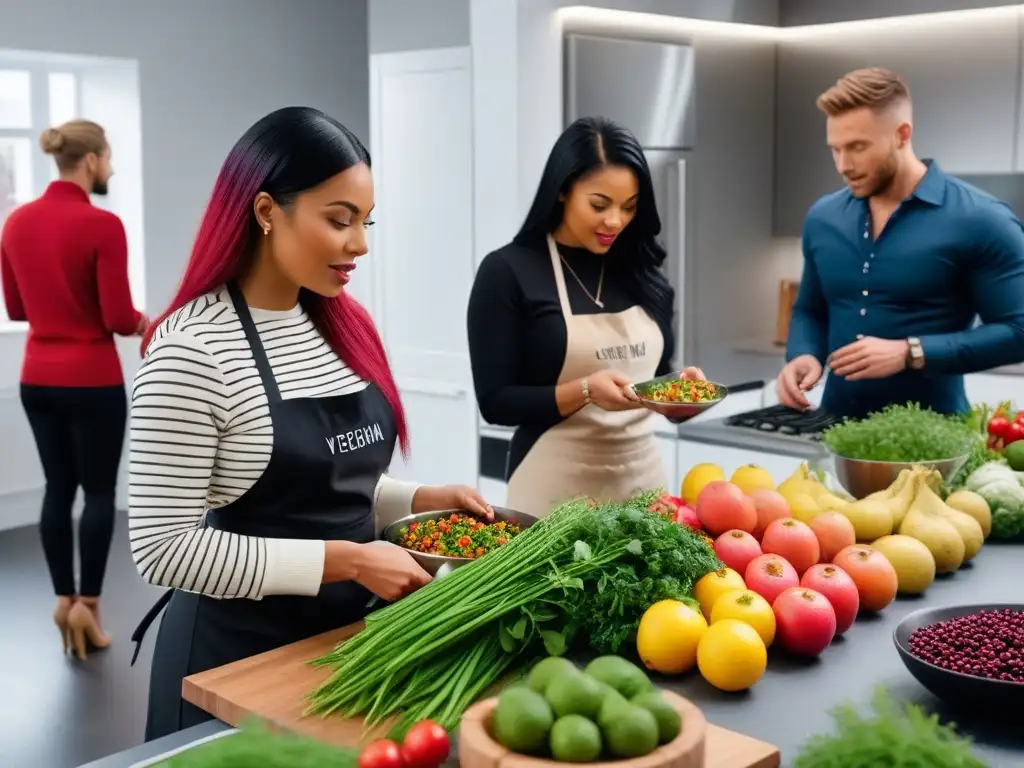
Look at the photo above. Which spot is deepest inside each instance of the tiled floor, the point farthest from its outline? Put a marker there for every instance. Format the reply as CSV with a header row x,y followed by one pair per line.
x,y
57,712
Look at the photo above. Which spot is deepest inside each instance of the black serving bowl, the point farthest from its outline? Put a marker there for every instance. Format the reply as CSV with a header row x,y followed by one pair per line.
x,y
956,688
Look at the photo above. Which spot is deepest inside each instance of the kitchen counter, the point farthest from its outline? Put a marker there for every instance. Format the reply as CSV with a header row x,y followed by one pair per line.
x,y
792,701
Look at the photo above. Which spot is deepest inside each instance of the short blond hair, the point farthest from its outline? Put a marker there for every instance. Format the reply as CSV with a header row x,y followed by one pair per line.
x,y
876,88
70,142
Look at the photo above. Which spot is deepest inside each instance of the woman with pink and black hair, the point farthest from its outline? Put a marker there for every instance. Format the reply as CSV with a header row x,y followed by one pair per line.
x,y
264,417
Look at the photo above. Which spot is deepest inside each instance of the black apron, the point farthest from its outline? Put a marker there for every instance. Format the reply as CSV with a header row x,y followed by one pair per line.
x,y
327,458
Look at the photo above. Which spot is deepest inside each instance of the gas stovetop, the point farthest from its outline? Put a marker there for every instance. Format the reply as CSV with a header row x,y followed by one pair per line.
x,y
780,420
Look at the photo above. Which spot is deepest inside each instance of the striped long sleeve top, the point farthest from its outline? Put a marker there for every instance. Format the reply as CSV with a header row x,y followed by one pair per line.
x,y
201,436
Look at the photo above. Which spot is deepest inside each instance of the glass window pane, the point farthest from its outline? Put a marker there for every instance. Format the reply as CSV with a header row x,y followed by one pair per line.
x,y
63,97
15,99
15,173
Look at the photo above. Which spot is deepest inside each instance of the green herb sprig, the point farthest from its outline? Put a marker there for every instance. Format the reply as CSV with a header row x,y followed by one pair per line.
x,y
902,433
894,736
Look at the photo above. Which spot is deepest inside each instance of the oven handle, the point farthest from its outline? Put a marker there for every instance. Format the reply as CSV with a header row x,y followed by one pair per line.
x,y
746,386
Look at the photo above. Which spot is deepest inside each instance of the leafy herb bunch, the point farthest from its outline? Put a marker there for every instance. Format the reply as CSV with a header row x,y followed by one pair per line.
x,y
902,433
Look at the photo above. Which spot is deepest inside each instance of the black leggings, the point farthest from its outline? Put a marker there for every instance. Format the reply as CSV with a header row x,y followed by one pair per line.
x,y
79,432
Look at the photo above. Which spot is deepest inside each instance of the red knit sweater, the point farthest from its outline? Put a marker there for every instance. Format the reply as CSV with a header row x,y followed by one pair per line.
x,y
64,264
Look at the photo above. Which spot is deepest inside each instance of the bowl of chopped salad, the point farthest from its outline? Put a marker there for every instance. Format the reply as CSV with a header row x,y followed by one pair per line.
x,y
455,536
679,399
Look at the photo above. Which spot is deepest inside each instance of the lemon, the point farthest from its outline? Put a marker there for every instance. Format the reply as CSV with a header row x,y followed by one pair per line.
x,y
731,655
750,477
668,636
713,585
699,476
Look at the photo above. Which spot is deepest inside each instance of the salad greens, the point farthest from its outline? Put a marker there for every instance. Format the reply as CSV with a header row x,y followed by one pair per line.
x,y
894,736
902,433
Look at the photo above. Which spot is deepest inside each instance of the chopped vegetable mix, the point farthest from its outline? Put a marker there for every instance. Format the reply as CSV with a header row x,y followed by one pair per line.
x,y
457,536
902,433
681,391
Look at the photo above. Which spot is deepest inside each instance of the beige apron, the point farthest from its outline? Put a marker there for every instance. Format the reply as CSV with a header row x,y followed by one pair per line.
x,y
608,455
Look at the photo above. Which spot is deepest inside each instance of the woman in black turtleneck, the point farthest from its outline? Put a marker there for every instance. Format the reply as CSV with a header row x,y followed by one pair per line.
x,y
566,317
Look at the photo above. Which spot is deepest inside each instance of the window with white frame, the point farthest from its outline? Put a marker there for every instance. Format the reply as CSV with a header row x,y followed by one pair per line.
x,y
33,96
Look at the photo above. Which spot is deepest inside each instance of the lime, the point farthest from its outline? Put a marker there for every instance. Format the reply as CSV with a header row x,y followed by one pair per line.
x,y
629,731
624,676
522,720
669,721
575,694
575,739
547,669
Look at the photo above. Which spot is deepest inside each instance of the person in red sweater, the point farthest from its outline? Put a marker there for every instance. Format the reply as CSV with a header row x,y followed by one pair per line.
x,y
65,271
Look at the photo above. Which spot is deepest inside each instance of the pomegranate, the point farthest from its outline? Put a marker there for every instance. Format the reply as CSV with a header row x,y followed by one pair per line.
x,y
722,506
837,586
834,531
874,576
986,644
736,549
770,576
770,506
687,515
794,540
805,621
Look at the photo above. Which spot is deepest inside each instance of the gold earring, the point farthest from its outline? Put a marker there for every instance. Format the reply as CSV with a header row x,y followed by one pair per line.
x,y
266,229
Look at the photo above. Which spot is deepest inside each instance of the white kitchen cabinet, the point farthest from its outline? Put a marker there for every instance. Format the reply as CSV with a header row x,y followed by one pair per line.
x,y
964,79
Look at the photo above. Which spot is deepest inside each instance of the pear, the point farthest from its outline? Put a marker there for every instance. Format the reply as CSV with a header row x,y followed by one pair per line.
x,y
902,497
932,529
897,485
830,502
967,528
970,503
800,475
871,518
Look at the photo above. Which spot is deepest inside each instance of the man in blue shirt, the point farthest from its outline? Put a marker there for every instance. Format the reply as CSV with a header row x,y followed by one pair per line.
x,y
897,266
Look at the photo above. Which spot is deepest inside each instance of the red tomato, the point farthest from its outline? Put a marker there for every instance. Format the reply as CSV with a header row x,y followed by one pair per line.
x,y
997,426
381,754
1020,418
1014,432
426,745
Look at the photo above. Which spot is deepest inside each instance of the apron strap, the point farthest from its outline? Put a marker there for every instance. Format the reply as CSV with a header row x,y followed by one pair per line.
x,y
140,631
556,264
259,354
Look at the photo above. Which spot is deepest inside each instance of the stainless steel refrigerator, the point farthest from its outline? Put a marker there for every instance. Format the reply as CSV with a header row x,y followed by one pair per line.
x,y
649,88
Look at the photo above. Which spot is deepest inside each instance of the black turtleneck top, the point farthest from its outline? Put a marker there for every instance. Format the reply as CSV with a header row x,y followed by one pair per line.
x,y
517,335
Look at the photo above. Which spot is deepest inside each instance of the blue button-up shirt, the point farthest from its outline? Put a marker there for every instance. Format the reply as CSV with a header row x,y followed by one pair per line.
x,y
948,255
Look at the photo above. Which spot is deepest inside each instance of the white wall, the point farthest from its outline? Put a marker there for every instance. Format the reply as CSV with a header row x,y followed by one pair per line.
x,y
110,96
207,70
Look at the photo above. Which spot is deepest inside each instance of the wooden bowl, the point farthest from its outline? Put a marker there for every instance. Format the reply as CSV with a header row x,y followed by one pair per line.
x,y
477,749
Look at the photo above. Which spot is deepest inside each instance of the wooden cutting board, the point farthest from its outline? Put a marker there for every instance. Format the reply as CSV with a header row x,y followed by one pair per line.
x,y
273,687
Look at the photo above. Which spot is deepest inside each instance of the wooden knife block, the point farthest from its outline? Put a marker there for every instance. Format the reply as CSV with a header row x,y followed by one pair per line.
x,y
787,298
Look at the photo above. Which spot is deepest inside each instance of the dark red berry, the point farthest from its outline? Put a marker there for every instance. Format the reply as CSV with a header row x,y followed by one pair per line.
x,y
988,644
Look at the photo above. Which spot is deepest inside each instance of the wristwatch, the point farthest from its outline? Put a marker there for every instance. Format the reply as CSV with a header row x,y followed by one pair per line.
x,y
916,353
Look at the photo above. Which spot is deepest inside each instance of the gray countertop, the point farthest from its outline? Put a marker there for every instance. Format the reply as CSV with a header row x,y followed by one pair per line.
x,y
792,701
